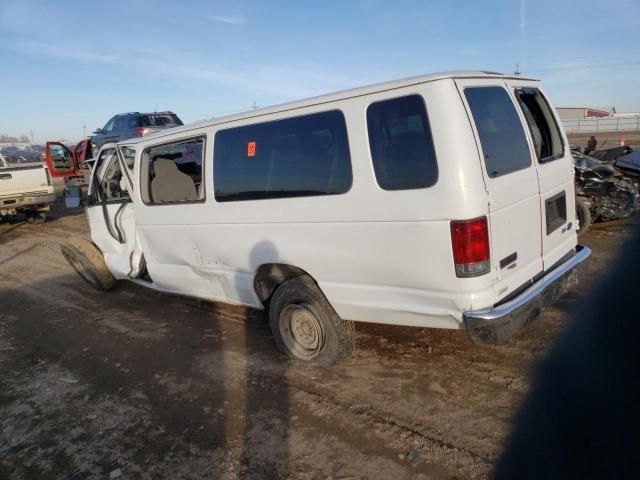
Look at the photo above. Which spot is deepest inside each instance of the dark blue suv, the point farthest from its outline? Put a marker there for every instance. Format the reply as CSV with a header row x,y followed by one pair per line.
x,y
134,124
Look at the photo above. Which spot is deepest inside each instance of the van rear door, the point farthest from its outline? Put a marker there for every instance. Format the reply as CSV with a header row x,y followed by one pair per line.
x,y
555,172
511,181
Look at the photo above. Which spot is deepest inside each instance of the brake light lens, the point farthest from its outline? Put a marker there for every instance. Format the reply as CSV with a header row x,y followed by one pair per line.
x,y
140,131
470,242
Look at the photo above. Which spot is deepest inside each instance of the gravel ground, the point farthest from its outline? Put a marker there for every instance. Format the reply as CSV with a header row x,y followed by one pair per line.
x,y
138,384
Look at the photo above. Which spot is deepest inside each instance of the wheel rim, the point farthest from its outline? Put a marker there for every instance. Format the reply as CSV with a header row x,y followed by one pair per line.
x,y
80,269
301,331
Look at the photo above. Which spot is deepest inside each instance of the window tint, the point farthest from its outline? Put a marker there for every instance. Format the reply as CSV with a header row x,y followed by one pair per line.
x,y
173,172
502,137
300,156
119,124
133,121
109,126
544,129
164,120
401,144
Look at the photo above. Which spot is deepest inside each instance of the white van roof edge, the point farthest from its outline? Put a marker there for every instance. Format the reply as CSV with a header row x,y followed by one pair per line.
x,y
326,98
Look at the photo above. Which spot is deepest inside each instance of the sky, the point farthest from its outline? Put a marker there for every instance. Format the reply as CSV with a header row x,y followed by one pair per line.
x,y
65,64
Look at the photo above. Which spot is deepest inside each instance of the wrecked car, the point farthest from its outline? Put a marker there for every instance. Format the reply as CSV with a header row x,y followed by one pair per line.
x,y
607,182
603,191
362,205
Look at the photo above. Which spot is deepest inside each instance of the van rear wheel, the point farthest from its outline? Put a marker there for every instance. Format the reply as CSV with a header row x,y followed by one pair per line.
x,y
305,326
87,260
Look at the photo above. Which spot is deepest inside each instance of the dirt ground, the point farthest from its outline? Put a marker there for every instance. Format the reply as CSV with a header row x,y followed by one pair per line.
x,y
607,140
137,384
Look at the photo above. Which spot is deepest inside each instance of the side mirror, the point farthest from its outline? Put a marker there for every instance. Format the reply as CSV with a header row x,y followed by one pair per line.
x,y
98,130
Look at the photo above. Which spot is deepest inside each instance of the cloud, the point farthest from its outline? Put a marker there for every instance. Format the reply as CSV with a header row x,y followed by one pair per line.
x,y
227,19
50,50
272,82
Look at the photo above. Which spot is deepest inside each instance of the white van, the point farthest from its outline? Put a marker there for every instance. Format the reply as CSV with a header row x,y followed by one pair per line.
x,y
441,201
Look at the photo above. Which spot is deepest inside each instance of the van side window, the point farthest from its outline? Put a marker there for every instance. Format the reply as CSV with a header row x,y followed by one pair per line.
x,y
501,133
401,144
295,157
172,173
546,135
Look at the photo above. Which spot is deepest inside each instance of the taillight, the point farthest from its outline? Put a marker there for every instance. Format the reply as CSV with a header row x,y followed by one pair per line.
x,y
470,242
140,131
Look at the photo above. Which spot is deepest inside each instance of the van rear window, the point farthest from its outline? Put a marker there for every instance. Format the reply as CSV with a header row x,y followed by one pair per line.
x,y
544,129
504,144
401,145
159,120
295,157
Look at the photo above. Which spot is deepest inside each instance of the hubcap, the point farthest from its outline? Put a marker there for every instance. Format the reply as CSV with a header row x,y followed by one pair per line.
x,y
301,331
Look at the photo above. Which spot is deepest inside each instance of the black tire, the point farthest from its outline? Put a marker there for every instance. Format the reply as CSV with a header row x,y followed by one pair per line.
x,y
37,218
584,216
305,326
87,260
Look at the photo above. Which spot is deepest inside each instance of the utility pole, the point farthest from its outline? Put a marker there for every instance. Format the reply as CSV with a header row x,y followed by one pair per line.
x,y
84,130
517,72
31,133
254,106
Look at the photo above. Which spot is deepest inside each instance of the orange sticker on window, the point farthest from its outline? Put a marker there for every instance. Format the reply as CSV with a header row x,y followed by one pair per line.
x,y
251,149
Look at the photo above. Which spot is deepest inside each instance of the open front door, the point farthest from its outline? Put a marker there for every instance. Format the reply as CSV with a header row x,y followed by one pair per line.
x,y
111,216
61,161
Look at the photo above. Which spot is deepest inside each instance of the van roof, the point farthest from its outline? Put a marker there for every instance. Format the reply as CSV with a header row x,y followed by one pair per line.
x,y
330,97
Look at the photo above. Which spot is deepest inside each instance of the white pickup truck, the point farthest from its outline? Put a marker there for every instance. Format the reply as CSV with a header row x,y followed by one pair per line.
x,y
25,188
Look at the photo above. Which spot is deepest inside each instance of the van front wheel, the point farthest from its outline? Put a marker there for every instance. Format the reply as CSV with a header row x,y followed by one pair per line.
x,y
87,260
305,326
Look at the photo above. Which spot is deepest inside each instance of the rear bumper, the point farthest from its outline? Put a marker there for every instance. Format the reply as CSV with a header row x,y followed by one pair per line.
x,y
27,201
498,324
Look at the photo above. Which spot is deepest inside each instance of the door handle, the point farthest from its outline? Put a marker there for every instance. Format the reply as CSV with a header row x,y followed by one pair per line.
x,y
5,176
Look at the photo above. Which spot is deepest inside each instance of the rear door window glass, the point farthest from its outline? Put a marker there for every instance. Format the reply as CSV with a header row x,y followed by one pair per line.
x,y
502,137
546,135
295,157
401,145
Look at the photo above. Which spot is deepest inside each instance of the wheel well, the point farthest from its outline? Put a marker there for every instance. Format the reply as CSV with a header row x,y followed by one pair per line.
x,y
270,275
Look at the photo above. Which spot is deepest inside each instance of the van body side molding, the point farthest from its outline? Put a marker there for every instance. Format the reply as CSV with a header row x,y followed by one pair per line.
x,y
498,324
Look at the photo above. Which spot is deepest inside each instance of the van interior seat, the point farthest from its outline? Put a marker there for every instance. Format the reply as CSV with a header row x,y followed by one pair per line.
x,y
170,184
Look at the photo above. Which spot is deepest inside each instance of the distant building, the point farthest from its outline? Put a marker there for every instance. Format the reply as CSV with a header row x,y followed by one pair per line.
x,y
578,113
